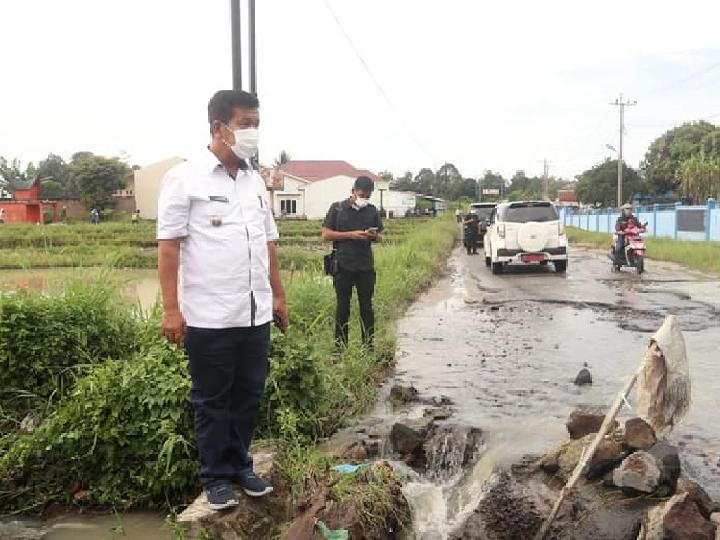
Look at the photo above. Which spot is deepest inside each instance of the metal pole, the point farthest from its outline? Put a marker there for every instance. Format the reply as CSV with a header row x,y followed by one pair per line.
x,y
236,44
253,66
620,156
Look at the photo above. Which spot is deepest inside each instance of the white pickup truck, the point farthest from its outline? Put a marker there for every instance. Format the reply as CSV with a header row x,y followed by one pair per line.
x,y
525,232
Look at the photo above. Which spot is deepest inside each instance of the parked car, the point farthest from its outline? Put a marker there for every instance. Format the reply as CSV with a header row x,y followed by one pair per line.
x,y
483,210
528,233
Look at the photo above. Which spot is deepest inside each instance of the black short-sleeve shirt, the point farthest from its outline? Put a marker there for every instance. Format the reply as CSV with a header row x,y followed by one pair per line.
x,y
353,255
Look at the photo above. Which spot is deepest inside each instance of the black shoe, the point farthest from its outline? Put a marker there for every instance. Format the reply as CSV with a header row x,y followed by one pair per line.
x,y
253,485
221,497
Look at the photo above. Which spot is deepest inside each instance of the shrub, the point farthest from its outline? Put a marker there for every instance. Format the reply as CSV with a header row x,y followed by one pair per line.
x,y
47,341
123,436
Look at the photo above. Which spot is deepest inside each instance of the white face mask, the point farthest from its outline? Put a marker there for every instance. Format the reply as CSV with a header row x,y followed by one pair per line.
x,y
361,203
246,142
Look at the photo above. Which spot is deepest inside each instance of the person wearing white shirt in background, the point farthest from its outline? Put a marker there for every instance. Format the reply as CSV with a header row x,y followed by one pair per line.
x,y
215,225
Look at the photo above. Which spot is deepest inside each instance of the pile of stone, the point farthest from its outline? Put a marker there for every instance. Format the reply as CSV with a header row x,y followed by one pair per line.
x,y
634,464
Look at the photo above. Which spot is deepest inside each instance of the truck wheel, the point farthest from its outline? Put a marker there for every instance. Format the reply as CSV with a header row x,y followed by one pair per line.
x,y
561,267
488,261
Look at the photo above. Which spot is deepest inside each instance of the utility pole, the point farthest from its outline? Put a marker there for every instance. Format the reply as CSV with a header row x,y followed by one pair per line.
x,y
621,104
253,56
236,44
545,187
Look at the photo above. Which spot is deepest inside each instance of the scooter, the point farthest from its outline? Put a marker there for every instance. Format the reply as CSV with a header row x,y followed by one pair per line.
x,y
634,253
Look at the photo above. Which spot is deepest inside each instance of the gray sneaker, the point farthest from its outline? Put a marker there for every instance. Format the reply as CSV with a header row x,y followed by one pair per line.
x,y
253,485
221,497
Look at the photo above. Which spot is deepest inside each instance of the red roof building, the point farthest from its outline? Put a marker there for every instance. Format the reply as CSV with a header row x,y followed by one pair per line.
x,y
314,170
26,206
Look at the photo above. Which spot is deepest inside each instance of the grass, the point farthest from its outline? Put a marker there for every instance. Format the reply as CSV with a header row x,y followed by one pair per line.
x,y
123,245
703,256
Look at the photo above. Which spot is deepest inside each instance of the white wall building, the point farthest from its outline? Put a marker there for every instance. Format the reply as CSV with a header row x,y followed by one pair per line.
x,y
308,188
147,186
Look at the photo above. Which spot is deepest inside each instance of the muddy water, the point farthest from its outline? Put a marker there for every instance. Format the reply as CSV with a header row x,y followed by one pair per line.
x,y
134,525
137,285
506,349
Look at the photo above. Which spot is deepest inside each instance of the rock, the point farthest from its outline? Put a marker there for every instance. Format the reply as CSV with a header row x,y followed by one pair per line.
x,y
698,495
244,521
581,422
549,463
668,459
400,394
678,519
438,413
638,471
347,446
449,448
584,377
569,453
609,453
639,435
30,423
404,439
715,518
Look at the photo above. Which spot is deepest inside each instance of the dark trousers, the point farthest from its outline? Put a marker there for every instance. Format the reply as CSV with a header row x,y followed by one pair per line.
x,y
228,367
364,283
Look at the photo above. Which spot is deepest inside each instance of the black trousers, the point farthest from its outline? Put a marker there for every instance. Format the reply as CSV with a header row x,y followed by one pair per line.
x,y
364,283
228,367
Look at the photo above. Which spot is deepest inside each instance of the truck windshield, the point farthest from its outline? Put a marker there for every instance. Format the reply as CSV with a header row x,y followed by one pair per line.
x,y
483,212
524,212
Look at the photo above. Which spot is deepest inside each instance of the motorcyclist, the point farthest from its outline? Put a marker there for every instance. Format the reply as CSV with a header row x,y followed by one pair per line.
x,y
471,232
625,221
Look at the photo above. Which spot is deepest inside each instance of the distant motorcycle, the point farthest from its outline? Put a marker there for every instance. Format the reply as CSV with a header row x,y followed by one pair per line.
x,y
633,254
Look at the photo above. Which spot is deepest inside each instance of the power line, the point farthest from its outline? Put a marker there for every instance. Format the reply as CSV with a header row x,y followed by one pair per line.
x,y
681,81
374,79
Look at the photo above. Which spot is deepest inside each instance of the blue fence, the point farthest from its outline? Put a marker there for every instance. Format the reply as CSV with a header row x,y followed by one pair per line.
x,y
670,221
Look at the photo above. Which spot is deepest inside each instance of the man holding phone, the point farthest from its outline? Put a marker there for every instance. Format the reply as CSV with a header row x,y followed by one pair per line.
x,y
353,225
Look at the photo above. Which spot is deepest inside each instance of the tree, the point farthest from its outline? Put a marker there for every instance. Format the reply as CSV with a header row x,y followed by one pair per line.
x,y
282,159
53,168
97,177
12,174
700,176
51,189
403,183
448,181
493,180
387,176
424,182
667,152
598,185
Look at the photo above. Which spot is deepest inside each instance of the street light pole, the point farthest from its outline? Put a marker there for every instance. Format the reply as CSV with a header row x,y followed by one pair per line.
x,y
382,211
236,44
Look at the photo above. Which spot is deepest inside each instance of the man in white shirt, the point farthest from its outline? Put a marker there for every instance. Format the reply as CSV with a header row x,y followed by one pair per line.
x,y
215,225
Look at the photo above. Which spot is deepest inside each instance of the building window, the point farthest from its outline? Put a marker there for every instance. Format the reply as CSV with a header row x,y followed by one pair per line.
x,y
288,206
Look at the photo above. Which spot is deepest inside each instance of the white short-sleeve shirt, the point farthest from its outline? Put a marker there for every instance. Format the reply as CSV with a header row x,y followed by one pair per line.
x,y
225,225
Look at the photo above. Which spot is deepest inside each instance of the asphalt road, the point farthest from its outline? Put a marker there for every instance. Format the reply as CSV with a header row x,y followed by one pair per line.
x,y
506,348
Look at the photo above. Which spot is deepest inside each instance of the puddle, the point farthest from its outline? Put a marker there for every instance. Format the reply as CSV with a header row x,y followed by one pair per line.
x,y
137,285
132,525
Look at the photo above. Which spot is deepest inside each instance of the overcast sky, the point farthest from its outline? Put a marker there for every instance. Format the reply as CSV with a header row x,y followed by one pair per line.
x,y
485,85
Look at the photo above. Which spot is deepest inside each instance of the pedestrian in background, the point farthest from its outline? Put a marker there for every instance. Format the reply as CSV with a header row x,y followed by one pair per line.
x,y
353,225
